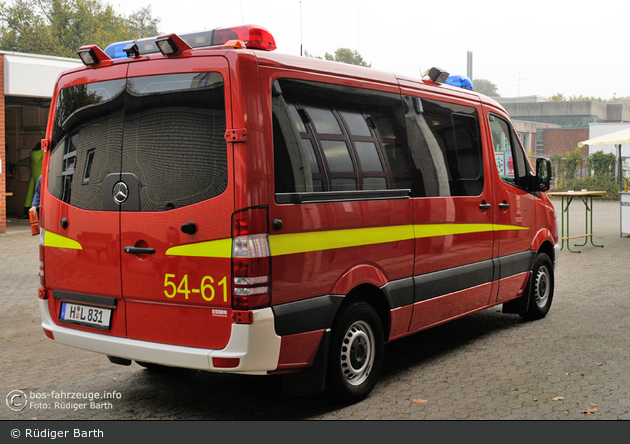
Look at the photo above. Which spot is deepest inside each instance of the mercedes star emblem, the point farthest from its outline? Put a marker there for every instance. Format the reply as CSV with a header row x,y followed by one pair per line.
x,y
121,192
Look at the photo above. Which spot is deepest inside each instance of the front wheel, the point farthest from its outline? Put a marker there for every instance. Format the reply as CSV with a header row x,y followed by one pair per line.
x,y
540,288
356,353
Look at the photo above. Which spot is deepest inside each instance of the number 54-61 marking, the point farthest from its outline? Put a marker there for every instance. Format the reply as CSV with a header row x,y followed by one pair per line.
x,y
207,288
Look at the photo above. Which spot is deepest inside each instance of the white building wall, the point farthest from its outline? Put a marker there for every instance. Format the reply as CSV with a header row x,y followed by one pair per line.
x,y
601,129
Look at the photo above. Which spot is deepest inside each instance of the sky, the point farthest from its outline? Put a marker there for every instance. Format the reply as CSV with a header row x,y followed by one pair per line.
x,y
533,47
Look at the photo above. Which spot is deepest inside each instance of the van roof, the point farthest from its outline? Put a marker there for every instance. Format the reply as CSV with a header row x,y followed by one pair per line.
x,y
263,49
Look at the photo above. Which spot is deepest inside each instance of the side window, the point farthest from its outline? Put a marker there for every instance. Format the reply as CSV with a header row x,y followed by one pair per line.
x,y
446,147
511,161
329,138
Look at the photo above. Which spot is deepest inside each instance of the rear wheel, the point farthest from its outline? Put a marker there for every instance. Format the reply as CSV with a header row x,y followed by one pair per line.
x,y
356,353
541,288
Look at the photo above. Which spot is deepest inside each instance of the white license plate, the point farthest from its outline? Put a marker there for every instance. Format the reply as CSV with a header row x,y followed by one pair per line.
x,y
85,315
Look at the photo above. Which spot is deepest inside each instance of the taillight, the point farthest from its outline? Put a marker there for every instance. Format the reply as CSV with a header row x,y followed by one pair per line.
x,y
251,259
42,280
226,362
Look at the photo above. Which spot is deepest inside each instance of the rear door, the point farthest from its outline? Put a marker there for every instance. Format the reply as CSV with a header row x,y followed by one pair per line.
x,y
175,223
140,200
81,240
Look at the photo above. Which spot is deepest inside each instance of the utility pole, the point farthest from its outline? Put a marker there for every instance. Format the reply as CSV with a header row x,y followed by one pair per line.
x,y
358,30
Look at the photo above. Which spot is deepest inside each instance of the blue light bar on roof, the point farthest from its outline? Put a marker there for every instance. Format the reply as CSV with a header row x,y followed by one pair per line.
x,y
147,46
253,36
460,81
115,50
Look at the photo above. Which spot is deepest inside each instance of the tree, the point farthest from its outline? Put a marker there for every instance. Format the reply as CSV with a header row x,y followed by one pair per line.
x,y
60,27
343,55
143,24
603,165
558,97
574,160
562,98
486,87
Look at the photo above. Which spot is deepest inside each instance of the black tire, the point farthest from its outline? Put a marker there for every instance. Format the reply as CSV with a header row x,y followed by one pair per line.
x,y
540,288
356,353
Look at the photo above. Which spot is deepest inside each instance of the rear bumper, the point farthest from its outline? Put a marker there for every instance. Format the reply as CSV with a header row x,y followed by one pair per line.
x,y
256,345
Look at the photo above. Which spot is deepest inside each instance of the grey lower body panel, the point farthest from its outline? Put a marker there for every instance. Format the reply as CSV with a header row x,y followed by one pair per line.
x,y
318,313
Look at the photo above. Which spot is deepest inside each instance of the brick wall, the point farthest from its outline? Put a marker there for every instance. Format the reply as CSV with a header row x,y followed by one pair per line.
x,y
564,140
3,157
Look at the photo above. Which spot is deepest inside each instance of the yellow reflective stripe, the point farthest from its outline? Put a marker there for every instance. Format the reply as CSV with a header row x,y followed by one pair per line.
x,y
281,244
434,230
509,227
55,240
216,248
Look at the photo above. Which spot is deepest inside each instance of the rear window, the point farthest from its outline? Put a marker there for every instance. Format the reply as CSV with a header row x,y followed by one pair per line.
x,y
164,133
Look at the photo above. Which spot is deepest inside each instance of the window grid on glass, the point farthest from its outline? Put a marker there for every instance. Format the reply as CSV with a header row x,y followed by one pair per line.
x,y
355,134
351,151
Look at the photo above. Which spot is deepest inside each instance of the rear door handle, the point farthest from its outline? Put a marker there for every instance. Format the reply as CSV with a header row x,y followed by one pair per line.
x,y
485,206
137,250
504,205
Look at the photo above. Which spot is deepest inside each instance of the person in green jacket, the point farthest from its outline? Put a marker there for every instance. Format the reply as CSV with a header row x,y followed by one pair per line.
x,y
34,162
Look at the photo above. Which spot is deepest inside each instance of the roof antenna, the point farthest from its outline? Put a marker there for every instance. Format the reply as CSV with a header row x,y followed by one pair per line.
x,y
300,28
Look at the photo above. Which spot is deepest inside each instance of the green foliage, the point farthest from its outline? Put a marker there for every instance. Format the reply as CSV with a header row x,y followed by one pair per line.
x,y
343,55
486,87
582,98
143,24
558,97
573,160
60,27
603,164
596,172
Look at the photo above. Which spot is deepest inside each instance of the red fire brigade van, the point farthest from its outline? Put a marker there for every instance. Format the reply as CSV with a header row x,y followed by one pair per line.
x,y
210,204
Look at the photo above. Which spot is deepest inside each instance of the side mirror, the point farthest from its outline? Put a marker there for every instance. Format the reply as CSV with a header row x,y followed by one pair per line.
x,y
543,174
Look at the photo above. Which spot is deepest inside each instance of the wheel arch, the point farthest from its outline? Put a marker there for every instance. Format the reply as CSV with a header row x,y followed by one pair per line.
x,y
374,296
521,305
547,248
543,243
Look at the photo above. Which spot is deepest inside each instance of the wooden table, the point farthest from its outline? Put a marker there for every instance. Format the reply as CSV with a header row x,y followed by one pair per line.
x,y
587,199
